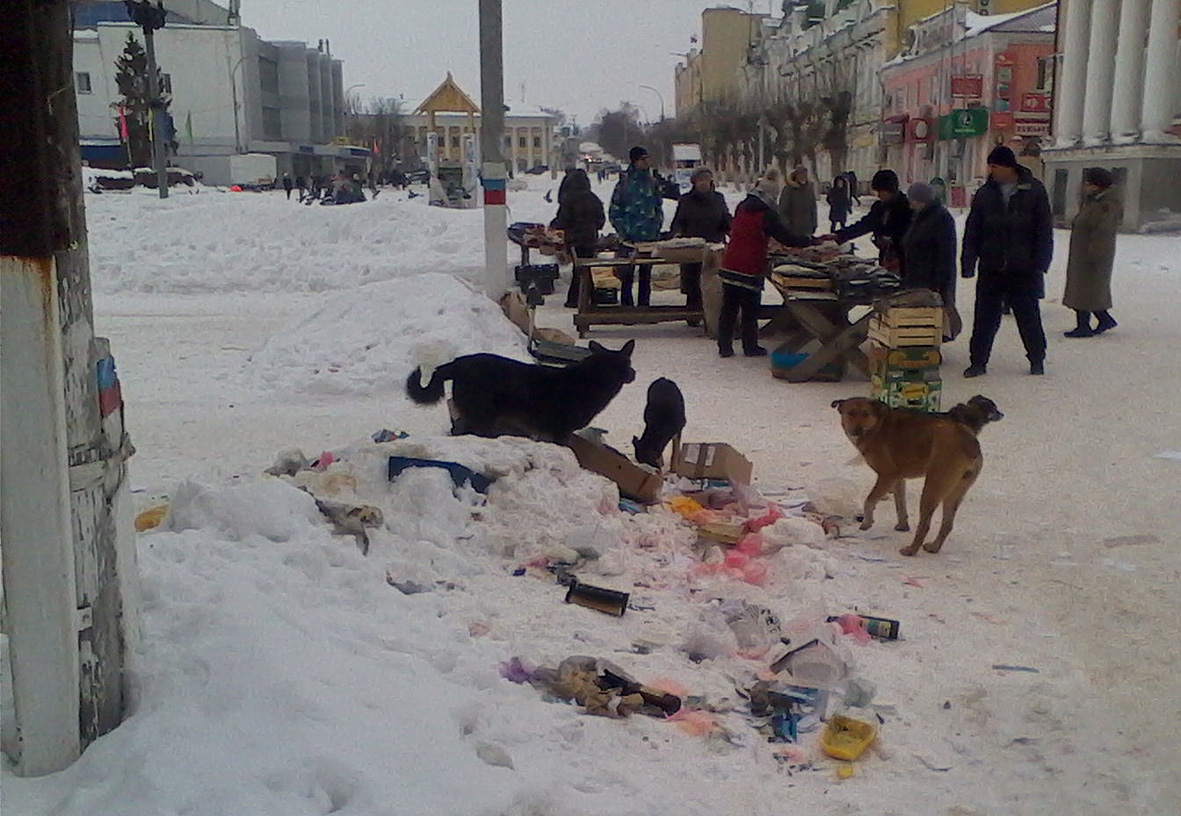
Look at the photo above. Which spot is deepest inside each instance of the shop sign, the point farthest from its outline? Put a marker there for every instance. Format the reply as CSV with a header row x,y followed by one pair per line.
x,y
920,130
969,86
964,123
1002,120
894,130
1035,103
1032,128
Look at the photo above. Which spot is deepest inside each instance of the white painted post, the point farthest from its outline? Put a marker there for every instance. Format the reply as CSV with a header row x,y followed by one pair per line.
x,y
491,139
38,551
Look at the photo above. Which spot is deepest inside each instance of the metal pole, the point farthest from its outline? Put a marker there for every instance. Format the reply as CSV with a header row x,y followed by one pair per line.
x,y
157,109
41,130
658,96
491,144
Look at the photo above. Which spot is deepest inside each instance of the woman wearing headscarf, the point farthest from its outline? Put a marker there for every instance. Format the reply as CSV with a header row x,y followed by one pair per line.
x,y
745,267
929,245
1092,253
580,215
839,205
701,213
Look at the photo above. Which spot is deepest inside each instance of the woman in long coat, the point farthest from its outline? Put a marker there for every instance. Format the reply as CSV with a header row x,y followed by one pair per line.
x,y
1092,253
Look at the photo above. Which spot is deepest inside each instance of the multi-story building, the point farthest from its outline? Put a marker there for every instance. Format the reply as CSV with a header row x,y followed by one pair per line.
x,y
963,84
232,92
533,137
1117,104
711,73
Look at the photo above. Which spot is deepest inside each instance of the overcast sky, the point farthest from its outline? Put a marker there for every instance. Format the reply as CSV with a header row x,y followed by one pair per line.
x,y
577,55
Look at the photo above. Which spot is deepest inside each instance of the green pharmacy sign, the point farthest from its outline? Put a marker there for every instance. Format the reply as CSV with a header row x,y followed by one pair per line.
x,y
963,123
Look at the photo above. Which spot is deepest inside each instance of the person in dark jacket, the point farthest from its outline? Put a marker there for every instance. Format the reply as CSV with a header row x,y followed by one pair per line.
x,y
1092,253
929,244
701,213
744,266
797,203
580,215
851,179
839,204
287,184
887,221
1009,235
930,250
301,186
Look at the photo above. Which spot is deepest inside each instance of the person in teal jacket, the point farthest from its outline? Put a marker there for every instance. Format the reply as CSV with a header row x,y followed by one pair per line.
x,y
636,214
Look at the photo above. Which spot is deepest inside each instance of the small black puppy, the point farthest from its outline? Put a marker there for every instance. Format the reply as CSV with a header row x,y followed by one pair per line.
x,y
664,419
496,396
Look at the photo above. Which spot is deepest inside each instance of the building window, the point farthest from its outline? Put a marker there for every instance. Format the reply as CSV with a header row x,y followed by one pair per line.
x,y
82,82
165,83
523,142
1045,74
455,141
268,75
537,142
272,126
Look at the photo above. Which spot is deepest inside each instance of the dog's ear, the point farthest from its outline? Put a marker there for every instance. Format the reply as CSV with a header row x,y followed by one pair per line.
x,y
628,348
595,347
838,403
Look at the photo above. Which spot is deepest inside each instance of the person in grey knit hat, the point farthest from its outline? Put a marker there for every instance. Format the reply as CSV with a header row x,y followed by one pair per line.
x,y
929,244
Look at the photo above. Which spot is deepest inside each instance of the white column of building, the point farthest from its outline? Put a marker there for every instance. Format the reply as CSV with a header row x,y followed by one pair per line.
x,y
1161,73
1128,84
1074,71
1100,71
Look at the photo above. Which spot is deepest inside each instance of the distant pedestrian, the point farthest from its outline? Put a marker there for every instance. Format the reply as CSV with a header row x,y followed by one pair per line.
x,y
637,215
1092,253
797,203
1010,235
851,179
288,185
301,185
701,213
839,205
744,265
580,216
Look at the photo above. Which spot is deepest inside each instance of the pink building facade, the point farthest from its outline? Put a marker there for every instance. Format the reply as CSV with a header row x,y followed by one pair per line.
x,y
966,84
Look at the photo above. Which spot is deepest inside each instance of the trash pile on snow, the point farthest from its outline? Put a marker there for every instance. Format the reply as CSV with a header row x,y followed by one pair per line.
x,y
524,518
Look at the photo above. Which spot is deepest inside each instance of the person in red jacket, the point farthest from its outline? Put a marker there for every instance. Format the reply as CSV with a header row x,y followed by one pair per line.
x,y
744,266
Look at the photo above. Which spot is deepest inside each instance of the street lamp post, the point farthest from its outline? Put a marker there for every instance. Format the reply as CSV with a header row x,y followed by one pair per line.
x,y
150,18
658,96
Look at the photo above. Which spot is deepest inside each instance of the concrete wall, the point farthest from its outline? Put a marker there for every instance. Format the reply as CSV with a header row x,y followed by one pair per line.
x,y
293,91
726,35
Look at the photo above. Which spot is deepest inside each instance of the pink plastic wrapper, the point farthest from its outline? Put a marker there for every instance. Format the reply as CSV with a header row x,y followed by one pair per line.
x,y
751,544
854,625
756,524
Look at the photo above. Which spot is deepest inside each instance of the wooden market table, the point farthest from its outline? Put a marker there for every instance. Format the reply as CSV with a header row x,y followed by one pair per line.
x,y
589,314
810,315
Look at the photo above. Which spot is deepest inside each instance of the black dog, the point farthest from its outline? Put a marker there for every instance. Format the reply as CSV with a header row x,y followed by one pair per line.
x,y
664,419
496,396
976,413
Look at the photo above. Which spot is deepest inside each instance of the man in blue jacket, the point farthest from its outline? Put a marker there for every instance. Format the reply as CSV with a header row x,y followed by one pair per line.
x,y
1010,237
636,214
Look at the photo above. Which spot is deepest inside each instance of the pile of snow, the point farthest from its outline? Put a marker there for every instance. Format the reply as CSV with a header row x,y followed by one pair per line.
x,y
211,241
366,340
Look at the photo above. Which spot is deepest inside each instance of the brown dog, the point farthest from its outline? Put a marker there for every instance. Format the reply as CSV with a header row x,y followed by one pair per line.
x,y
901,444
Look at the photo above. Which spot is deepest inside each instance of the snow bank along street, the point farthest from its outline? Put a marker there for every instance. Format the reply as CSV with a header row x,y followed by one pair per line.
x,y
283,672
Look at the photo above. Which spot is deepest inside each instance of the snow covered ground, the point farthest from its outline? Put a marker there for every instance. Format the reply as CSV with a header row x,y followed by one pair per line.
x,y
280,672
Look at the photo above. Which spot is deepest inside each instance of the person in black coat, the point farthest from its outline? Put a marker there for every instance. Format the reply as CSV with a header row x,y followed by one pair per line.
x,y
839,204
1009,235
580,216
701,213
887,220
930,244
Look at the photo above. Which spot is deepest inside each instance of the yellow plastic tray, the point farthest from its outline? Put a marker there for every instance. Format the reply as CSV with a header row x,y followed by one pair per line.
x,y
846,738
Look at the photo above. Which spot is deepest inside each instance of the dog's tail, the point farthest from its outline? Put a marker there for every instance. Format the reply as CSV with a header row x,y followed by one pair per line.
x,y
432,392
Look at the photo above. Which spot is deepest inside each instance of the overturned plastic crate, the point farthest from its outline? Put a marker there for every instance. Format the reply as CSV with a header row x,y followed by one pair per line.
x,y
542,276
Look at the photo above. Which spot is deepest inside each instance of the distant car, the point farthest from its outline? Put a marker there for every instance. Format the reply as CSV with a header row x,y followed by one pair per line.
x,y
537,170
610,167
418,176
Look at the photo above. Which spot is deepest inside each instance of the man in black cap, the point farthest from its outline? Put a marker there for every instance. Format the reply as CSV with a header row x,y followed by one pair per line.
x,y
887,220
1010,236
637,214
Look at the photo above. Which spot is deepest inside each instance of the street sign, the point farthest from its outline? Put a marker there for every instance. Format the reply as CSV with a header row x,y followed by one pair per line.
x,y
964,123
968,86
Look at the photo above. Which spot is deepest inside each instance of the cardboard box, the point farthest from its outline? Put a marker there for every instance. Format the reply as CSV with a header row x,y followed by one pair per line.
x,y
712,460
634,482
892,336
921,394
914,357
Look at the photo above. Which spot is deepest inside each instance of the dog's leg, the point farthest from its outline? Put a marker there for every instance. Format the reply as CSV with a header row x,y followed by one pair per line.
x,y
880,489
950,505
934,489
900,506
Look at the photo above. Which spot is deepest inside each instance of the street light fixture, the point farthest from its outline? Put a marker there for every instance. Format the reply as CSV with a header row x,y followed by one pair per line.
x,y
658,96
351,87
